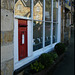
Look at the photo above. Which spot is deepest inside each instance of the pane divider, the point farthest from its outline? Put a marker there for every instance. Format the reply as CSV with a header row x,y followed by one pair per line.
x,y
52,24
44,23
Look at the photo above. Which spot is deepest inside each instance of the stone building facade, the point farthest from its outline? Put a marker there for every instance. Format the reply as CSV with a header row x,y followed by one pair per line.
x,y
7,28
66,20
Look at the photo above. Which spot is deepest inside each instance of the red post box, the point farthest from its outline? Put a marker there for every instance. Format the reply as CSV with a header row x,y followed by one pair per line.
x,y
22,38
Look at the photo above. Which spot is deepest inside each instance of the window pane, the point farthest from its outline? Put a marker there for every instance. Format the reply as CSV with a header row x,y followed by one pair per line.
x,y
38,10
23,8
55,10
37,35
55,32
47,33
48,10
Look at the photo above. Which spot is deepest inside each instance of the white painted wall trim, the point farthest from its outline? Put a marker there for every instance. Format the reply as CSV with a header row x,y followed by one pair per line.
x,y
30,38
15,40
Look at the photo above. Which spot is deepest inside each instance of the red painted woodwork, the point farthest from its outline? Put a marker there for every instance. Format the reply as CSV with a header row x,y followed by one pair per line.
x,y
22,38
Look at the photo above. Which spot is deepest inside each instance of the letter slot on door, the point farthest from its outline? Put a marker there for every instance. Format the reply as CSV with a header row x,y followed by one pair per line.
x,y
22,39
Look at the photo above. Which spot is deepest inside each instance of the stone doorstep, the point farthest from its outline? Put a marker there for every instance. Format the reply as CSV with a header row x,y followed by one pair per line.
x,y
45,71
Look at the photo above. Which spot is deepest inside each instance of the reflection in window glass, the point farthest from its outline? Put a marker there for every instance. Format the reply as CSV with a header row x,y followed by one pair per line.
x,y
47,33
55,10
23,8
48,10
55,32
38,9
37,35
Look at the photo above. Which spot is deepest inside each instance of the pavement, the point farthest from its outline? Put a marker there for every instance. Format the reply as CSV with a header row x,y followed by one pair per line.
x,y
66,66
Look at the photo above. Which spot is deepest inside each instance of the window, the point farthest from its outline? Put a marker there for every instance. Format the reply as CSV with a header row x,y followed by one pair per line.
x,y
48,10
37,25
38,9
55,30
45,26
47,33
44,17
42,27
37,35
55,10
68,20
55,20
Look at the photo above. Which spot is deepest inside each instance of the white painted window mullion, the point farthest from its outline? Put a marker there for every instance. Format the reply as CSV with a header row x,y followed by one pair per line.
x,y
43,23
59,23
52,23
32,9
32,20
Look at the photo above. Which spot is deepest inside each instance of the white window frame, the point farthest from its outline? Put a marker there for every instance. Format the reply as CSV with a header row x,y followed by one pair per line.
x,y
35,54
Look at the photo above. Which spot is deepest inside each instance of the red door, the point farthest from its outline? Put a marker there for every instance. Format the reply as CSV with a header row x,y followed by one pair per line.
x,y
22,39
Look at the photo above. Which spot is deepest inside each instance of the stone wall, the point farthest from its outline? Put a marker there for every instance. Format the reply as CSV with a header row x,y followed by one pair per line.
x,y
7,29
7,67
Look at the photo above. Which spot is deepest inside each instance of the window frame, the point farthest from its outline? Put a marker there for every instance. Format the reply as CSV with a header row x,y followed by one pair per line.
x,y
34,54
31,18
51,25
